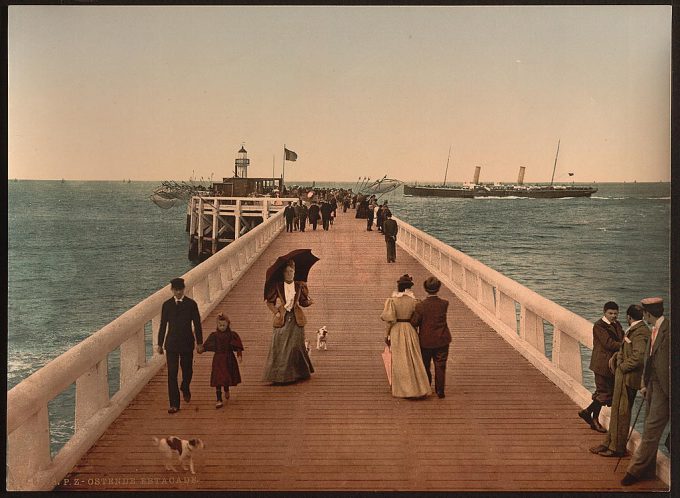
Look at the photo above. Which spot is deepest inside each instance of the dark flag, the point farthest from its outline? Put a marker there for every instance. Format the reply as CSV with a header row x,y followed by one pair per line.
x,y
571,174
290,155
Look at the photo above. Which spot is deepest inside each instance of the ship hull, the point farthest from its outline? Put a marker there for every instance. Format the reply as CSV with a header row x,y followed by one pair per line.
x,y
536,193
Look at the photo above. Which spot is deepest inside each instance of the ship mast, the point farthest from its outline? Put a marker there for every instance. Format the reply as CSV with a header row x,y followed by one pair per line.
x,y
447,167
555,166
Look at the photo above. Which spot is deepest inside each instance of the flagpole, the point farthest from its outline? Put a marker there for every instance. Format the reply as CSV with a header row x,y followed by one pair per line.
x,y
283,171
273,160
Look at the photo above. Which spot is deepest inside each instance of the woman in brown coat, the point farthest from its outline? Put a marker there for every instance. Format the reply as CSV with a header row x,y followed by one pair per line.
x,y
288,360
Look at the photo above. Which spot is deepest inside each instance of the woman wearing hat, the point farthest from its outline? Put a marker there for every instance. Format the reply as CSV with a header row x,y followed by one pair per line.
x,y
288,360
409,379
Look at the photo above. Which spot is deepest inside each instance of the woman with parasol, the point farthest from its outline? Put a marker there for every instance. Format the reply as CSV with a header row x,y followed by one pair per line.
x,y
286,294
408,376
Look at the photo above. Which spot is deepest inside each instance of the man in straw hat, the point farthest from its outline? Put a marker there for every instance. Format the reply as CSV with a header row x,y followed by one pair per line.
x,y
390,230
434,335
656,391
177,315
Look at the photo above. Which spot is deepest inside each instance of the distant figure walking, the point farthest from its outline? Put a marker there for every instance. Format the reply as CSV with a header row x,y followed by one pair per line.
x,y
369,215
288,360
627,365
433,332
225,372
607,340
314,214
326,211
289,214
304,212
390,230
656,391
296,218
409,379
177,315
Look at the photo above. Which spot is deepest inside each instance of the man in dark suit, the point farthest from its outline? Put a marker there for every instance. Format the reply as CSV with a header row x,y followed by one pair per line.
x,y
656,391
326,210
433,332
627,365
313,214
177,315
390,230
289,214
304,211
607,340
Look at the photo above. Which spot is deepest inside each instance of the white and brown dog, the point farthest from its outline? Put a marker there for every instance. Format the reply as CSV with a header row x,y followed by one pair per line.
x,y
173,446
321,338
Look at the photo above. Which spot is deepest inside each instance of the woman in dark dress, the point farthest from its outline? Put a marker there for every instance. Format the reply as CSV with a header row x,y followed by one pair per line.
x,y
225,371
288,360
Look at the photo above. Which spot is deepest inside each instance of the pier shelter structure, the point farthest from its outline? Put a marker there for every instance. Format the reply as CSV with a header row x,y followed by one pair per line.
x,y
508,422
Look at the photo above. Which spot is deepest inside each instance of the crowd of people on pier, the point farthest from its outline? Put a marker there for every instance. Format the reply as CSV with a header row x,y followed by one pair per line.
x,y
417,336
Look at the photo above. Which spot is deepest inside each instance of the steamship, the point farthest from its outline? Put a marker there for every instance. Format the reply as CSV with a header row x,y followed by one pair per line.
x,y
475,189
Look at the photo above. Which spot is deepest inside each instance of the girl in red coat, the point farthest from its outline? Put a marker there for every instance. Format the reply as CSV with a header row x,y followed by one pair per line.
x,y
224,342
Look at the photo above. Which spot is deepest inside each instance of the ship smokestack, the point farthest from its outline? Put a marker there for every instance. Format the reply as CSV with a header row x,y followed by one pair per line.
x,y
520,177
475,180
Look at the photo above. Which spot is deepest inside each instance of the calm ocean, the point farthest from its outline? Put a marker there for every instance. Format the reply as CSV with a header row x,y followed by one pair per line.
x,y
82,253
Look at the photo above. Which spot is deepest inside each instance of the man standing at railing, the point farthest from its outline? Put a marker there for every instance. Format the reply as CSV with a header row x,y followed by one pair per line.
x,y
607,340
627,365
177,315
655,389
390,230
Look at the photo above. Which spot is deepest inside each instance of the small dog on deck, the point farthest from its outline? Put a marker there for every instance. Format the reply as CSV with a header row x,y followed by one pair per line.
x,y
321,338
181,448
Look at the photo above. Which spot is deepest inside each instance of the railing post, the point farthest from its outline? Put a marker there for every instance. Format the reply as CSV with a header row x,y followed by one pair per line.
x,y
155,325
505,311
237,219
132,358
215,225
566,354
28,450
200,225
92,392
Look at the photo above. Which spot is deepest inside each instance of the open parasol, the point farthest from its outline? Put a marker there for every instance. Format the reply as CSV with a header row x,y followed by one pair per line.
x,y
304,260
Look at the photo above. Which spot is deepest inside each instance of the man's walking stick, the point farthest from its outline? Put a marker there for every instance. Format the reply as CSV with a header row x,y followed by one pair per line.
x,y
631,431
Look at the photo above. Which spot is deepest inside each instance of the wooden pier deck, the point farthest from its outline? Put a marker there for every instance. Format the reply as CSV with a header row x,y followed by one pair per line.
x,y
502,425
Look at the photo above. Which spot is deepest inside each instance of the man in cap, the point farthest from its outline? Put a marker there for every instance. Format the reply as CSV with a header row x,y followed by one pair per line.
x,y
656,390
627,365
390,230
607,340
177,315
433,332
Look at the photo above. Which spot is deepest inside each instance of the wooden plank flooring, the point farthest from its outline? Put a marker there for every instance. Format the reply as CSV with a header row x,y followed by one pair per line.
x,y
502,425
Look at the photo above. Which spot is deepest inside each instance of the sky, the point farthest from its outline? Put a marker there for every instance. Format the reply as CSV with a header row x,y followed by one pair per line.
x,y
167,92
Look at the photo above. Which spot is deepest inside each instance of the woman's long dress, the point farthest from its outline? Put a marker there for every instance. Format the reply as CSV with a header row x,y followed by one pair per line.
x,y
409,379
288,360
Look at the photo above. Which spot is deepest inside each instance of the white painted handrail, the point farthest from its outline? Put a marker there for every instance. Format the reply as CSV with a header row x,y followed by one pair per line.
x,y
30,466
495,298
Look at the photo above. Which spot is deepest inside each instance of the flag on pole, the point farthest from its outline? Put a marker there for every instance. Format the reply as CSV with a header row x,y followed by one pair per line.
x,y
289,155
571,174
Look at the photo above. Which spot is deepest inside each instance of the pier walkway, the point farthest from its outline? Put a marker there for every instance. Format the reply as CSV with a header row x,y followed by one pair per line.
x,y
502,426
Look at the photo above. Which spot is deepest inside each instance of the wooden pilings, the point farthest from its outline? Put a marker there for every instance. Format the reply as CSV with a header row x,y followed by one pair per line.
x,y
215,222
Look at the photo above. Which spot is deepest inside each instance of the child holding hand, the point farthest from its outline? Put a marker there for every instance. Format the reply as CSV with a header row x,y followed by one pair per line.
x,y
225,372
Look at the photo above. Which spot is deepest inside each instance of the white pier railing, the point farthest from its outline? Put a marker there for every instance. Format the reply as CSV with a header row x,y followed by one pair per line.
x,y
495,299
29,462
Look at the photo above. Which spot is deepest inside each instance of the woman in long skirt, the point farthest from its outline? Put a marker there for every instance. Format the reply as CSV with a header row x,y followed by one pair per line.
x,y
288,360
409,378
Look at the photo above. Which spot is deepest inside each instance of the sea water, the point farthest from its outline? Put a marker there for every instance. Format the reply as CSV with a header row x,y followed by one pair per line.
x,y
82,253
